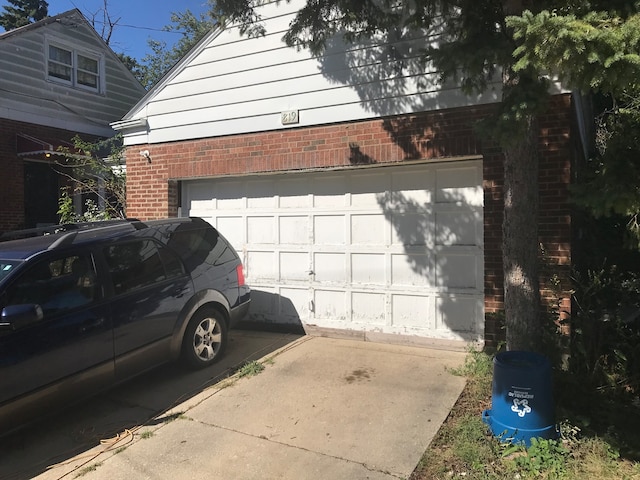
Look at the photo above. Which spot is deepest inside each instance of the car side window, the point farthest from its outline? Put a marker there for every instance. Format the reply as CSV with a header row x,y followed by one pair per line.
x,y
138,264
56,285
134,265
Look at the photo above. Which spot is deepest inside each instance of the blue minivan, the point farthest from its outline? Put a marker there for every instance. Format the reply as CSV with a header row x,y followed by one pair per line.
x,y
86,306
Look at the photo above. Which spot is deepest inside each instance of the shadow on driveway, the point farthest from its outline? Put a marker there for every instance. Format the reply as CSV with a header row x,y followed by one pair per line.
x,y
44,449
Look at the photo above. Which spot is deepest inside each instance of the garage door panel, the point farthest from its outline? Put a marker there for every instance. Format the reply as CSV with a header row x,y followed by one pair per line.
x,y
233,229
366,188
412,270
261,194
459,184
329,191
369,229
456,269
294,266
413,311
368,268
261,230
459,314
457,227
330,268
293,230
261,265
413,187
293,193
200,199
329,230
368,308
293,305
412,229
230,195
330,306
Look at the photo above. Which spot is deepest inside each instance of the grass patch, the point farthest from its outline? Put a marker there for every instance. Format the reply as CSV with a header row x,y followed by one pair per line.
x,y
146,434
465,448
250,369
88,469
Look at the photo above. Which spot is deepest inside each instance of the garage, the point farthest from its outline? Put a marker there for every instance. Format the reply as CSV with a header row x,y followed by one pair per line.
x,y
386,250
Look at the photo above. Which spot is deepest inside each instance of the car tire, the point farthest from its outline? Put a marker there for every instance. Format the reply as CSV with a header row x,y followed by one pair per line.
x,y
205,338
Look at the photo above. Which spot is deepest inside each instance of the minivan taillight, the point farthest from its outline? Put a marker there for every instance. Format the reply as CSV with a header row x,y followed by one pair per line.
x,y
240,273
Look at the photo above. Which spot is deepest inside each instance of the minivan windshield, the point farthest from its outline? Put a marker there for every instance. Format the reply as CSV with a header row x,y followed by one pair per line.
x,y
6,267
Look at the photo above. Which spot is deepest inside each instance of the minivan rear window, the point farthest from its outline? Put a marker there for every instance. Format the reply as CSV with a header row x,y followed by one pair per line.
x,y
194,245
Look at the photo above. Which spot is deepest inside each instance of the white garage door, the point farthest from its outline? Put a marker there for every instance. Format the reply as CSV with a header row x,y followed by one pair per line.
x,y
393,250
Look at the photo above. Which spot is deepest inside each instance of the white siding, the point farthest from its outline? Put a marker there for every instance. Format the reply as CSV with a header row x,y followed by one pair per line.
x,y
232,84
26,95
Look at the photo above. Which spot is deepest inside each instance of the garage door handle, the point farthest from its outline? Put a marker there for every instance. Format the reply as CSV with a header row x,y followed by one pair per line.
x,y
311,272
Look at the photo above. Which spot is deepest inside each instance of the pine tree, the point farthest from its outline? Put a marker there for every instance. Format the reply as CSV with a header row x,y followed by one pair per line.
x,y
23,12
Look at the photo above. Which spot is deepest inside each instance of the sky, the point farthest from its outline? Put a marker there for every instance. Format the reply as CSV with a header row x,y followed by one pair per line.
x,y
139,20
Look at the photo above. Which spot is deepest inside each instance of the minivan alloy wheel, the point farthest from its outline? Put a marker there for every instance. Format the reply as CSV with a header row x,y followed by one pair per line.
x,y
205,338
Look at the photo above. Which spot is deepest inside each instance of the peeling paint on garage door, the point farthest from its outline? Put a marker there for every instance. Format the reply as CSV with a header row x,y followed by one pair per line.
x,y
396,250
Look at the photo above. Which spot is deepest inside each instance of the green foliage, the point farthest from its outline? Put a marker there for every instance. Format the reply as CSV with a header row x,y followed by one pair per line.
x,y
96,170
477,364
88,469
135,67
470,442
609,182
23,12
544,458
161,59
605,331
66,210
250,369
597,51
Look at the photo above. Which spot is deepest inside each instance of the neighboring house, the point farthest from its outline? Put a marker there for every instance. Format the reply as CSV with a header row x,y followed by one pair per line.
x,y
58,79
360,197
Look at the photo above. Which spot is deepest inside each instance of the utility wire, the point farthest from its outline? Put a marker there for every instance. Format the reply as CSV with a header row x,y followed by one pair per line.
x,y
142,28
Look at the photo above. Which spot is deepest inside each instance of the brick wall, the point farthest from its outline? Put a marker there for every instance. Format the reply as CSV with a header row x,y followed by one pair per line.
x,y
12,184
152,186
12,214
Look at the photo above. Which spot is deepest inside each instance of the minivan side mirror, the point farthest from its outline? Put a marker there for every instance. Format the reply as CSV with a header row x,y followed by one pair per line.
x,y
14,317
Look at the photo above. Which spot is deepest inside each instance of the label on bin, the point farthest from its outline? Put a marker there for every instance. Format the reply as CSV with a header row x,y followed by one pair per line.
x,y
520,398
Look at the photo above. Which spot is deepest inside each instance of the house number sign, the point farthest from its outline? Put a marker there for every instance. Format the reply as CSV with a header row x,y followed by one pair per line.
x,y
289,117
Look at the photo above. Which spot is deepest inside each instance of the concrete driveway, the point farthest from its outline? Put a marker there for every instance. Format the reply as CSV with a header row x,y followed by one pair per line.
x,y
321,408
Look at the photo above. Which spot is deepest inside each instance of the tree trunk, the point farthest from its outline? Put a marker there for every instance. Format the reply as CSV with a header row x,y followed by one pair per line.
x,y
520,241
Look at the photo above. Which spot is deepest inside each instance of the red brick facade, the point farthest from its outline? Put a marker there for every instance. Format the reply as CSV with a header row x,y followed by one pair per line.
x,y
152,186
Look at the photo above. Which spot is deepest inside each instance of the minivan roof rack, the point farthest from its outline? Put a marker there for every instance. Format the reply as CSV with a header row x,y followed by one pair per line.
x,y
67,227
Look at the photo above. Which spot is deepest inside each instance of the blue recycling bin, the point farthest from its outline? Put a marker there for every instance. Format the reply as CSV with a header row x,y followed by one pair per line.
x,y
522,402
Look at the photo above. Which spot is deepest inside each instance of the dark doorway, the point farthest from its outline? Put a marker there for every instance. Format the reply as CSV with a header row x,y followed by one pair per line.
x,y
41,192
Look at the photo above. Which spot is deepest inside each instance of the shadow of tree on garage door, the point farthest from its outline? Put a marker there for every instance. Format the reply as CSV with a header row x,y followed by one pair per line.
x,y
381,72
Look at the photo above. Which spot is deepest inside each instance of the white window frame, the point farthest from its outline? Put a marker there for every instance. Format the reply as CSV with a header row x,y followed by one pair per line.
x,y
75,52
